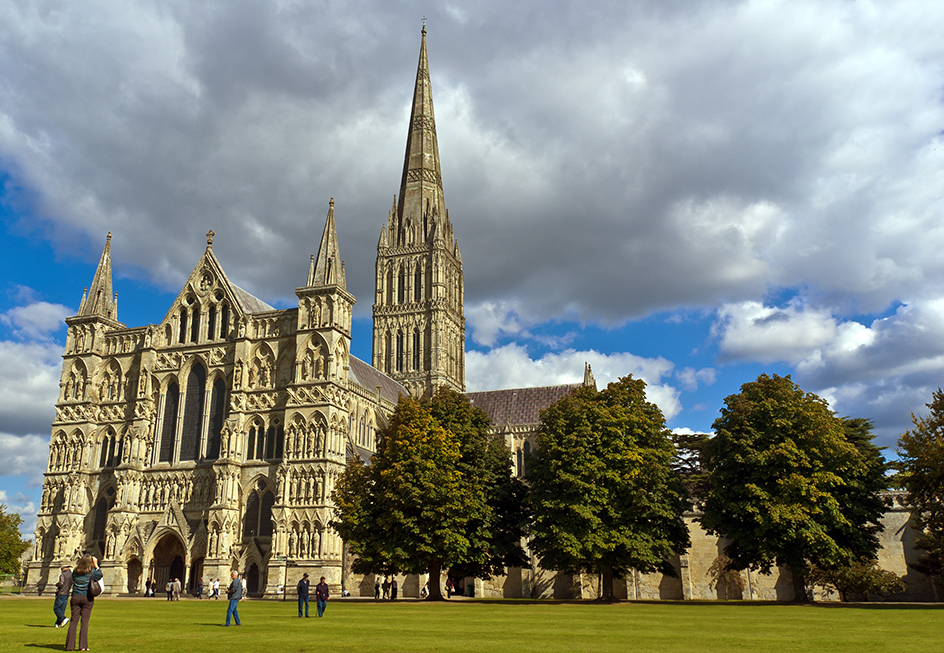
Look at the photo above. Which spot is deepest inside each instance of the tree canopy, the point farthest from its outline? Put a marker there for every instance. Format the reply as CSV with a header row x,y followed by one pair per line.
x,y
921,465
790,483
604,496
495,533
12,545
436,495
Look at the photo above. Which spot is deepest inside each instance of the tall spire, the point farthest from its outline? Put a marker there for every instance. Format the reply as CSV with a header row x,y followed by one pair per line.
x,y
328,267
421,188
100,301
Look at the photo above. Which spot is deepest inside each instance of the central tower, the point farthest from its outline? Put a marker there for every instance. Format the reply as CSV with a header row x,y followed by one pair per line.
x,y
419,327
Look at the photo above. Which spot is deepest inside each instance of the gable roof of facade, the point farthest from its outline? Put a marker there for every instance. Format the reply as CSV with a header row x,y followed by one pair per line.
x,y
518,405
250,303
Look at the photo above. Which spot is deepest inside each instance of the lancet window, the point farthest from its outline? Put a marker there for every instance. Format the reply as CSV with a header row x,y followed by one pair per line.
x,y
169,423
217,416
193,414
182,335
258,518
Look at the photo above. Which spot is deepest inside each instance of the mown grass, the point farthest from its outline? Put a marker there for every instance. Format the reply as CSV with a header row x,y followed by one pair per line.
x,y
469,626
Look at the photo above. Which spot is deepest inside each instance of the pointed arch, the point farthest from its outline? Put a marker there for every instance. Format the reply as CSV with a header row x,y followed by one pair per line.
x,y
192,426
218,406
169,422
182,324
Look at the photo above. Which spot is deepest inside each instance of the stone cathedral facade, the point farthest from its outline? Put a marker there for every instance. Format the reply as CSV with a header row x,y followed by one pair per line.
x,y
212,440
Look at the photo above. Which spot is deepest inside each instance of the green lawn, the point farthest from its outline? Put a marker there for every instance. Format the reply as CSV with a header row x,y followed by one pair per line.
x,y
270,626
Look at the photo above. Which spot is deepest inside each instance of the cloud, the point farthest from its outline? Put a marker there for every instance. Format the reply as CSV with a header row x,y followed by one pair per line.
x,y
689,377
36,321
752,331
24,455
684,158
29,385
25,508
510,366
653,166
882,370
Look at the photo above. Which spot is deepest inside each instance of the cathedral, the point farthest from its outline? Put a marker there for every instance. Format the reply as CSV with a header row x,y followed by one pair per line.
x,y
212,441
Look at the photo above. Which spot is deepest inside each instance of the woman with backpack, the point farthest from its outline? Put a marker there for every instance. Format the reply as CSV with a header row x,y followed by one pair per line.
x,y
85,587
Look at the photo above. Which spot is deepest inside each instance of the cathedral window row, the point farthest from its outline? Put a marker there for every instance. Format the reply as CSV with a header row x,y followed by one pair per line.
x,y
192,431
407,283
362,429
191,325
265,443
110,450
257,521
407,351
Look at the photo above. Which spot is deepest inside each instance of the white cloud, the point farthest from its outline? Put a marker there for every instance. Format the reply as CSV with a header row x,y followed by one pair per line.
x,y
25,508
690,377
36,321
29,385
489,321
24,455
752,331
683,430
510,366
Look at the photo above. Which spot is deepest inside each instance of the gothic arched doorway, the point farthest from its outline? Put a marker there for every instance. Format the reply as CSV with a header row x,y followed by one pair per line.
x,y
196,571
134,575
252,579
168,560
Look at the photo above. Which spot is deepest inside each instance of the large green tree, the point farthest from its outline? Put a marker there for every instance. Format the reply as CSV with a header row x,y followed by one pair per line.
x,y
791,484
495,532
604,495
437,494
921,463
12,545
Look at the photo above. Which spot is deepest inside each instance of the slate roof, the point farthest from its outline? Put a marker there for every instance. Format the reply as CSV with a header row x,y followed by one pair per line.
x,y
518,405
368,377
251,303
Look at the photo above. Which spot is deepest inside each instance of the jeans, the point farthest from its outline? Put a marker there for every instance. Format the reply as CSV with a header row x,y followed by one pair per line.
x,y
322,604
301,600
59,607
231,611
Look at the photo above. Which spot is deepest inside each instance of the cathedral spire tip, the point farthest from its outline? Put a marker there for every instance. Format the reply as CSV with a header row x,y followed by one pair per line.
x,y
99,301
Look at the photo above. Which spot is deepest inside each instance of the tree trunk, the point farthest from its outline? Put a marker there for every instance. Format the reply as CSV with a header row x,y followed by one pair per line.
x,y
799,589
606,591
435,578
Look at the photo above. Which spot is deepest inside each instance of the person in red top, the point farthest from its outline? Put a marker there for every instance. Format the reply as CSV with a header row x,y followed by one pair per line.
x,y
321,595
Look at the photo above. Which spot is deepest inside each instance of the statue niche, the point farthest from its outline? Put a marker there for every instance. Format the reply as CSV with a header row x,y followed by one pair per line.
x,y
313,364
262,371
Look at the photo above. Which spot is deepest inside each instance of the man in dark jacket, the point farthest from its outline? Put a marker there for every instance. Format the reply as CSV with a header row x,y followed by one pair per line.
x,y
234,593
63,590
321,596
303,586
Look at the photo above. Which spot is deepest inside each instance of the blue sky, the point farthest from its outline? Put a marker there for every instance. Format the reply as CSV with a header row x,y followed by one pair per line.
x,y
694,194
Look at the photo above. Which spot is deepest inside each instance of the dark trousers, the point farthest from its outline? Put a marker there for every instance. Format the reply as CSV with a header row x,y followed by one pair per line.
x,y
59,607
81,608
302,600
322,604
231,611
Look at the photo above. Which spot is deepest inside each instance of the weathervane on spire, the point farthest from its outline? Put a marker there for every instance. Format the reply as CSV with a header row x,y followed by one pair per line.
x,y
424,24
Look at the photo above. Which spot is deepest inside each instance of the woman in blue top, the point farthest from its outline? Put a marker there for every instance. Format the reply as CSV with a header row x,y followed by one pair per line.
x,y
86,570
